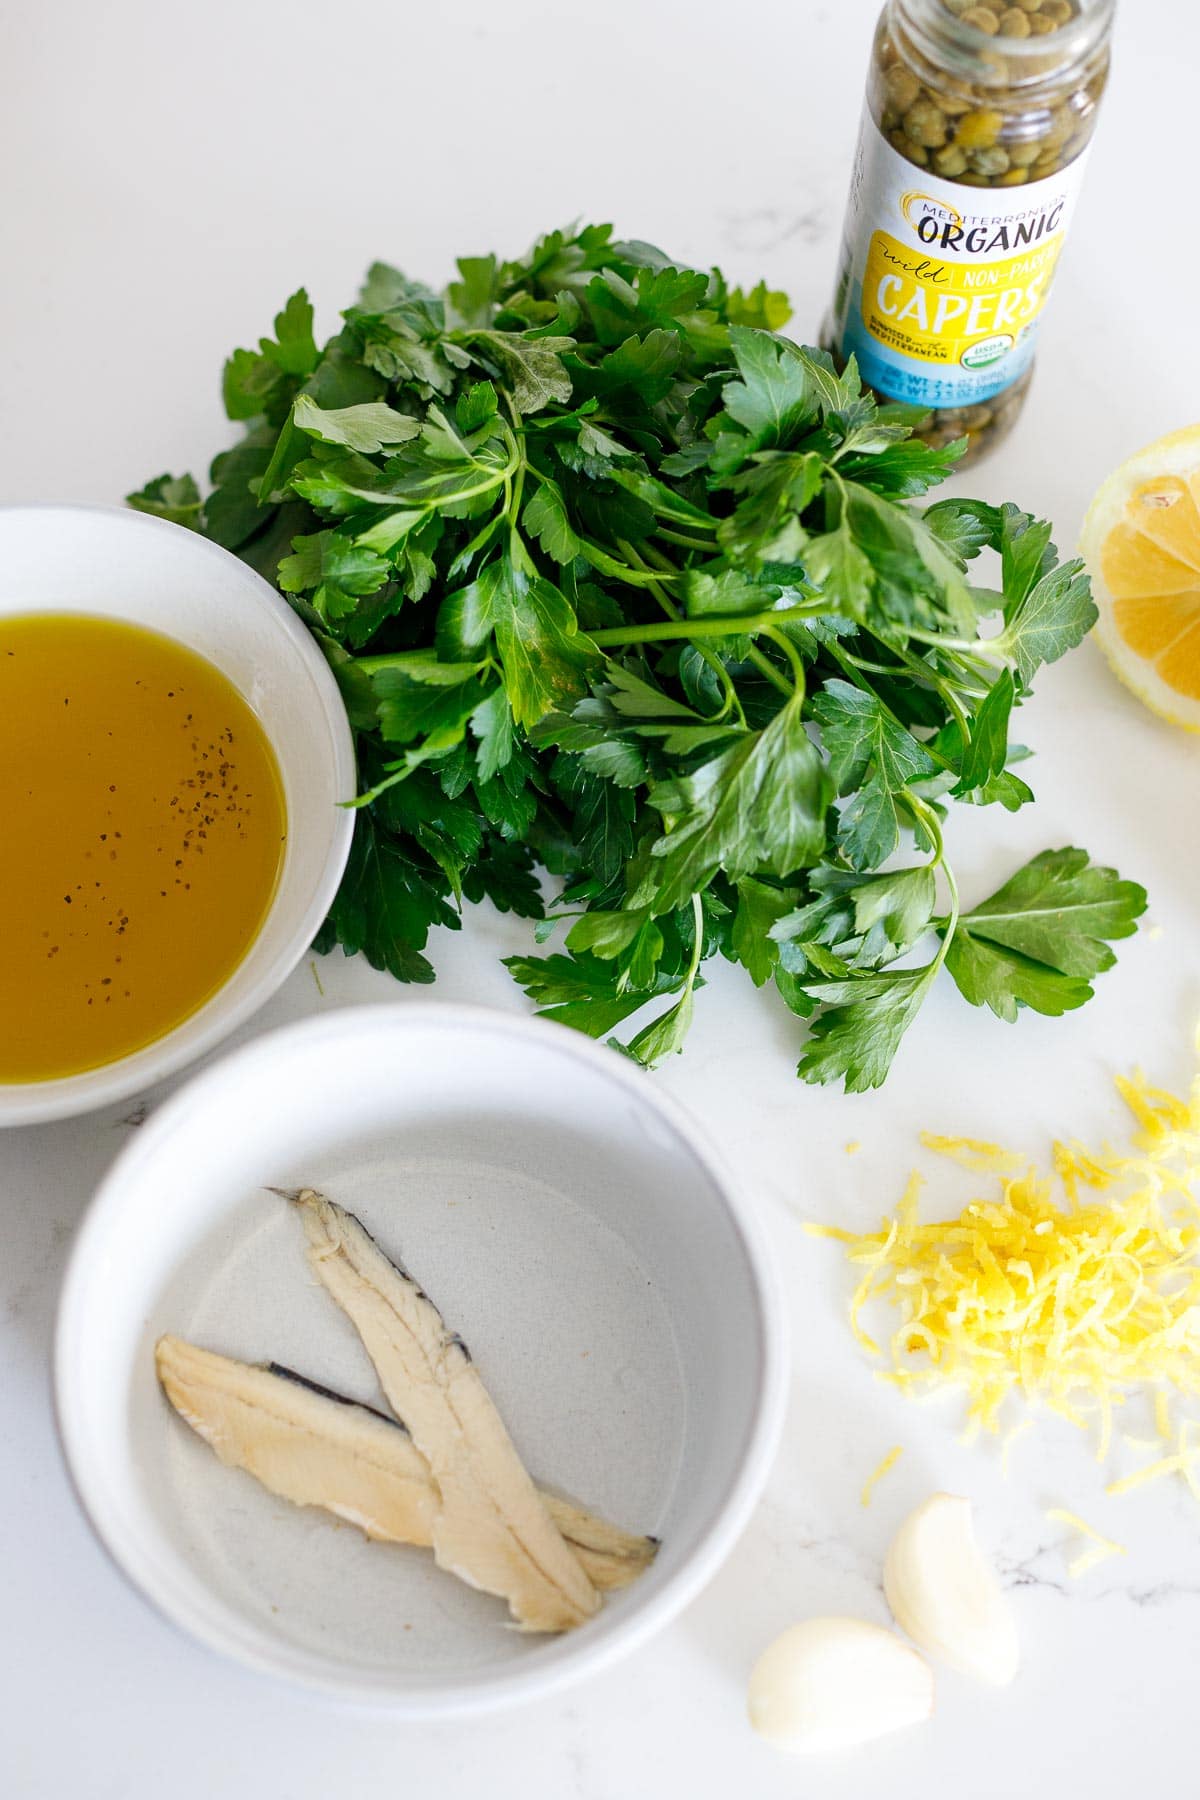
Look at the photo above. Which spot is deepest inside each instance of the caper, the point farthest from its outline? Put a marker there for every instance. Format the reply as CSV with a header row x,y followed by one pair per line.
x,y
901,87
989,162
1029,6
950,160
983,19
1022,155
925,124
913,153
1013,178
953,105
1014,23
1059,126
1040,25
1058,10
979,129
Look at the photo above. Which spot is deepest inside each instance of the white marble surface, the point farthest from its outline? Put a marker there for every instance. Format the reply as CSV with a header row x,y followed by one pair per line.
x,y
172,174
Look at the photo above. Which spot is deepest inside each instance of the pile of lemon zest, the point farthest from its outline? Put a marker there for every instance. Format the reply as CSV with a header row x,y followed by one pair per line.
x,y
853,1147
974,1154
1068,1288
1101,1547
877,1474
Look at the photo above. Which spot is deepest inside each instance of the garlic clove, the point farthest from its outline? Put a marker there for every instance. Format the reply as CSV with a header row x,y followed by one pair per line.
x,y
945,1596
832,1684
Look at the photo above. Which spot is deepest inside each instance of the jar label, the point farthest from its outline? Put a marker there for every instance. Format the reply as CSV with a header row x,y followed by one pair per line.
x,y
941,284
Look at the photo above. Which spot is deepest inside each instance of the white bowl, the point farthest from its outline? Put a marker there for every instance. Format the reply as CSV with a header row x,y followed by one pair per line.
x,y
568,1220
126,565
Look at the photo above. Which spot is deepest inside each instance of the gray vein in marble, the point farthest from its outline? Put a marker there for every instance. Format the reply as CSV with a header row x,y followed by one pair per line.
x,y
1162,1593
1022,1573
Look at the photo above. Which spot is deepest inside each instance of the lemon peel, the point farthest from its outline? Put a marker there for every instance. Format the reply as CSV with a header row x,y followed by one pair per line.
x,y
1141,543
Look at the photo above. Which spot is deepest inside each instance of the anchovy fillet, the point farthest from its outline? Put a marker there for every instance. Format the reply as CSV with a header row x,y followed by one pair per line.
x,y
492,1528
315,1447
302,1445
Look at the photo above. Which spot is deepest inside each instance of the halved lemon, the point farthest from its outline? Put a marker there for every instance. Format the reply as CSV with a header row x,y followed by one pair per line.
x,y
1141,542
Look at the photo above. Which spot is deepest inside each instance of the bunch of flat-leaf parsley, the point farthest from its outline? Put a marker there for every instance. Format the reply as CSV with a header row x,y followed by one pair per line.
x,y
621,584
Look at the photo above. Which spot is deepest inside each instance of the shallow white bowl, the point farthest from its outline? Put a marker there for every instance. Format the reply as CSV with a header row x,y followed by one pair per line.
x,y
568,1220
126,565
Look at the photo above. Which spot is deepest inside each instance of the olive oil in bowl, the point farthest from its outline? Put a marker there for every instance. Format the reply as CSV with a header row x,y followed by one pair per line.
x,y
142,824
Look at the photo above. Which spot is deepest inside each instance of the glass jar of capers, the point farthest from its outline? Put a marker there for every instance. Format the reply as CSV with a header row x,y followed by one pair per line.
x,y
978,118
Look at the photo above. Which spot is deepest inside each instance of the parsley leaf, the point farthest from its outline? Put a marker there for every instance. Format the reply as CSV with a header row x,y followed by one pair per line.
x,y
544,655
990,975
1042,937
580,990
338,570
1051,618
367,427
856,1036
173,497
759,909
386,905
987,752
759,805
873,758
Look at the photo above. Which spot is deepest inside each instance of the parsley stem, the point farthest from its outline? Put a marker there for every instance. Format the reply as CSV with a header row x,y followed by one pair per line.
x,y
762,663
971,647
766,667
949,698
652,583
689,980
933,830
648,557
732,703
960,718
513,490
681,537
782,642
725,626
